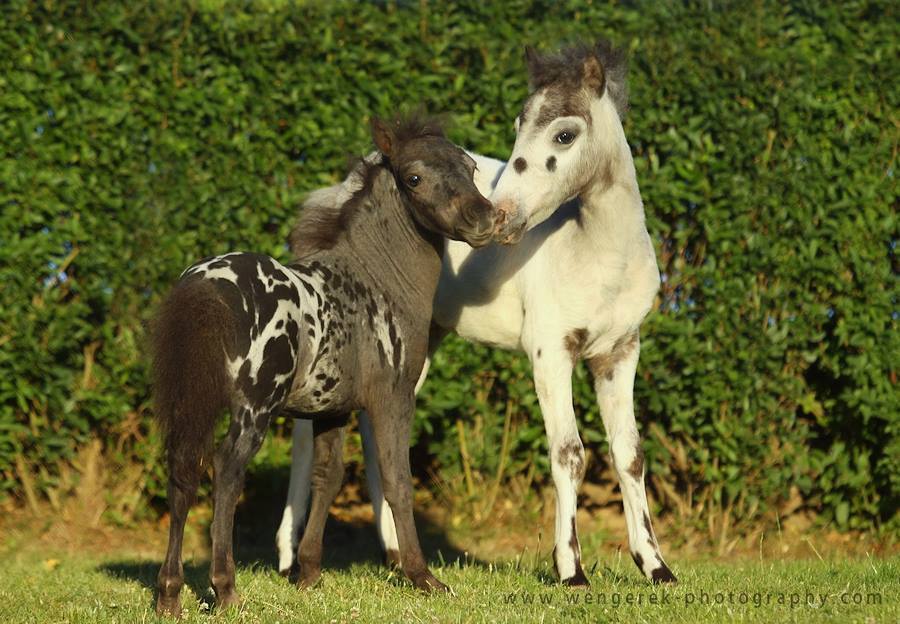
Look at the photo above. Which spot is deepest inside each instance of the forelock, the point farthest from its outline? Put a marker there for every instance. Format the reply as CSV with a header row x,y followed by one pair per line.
x,y
563,70
417,125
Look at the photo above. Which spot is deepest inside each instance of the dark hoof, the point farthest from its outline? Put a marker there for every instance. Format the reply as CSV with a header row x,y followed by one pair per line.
x,y
428,583
392,559
662,575
577,581
227,600
168,606
309,578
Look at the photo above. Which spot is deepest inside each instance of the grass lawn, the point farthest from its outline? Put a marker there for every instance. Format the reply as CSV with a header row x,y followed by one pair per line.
x,y
36,586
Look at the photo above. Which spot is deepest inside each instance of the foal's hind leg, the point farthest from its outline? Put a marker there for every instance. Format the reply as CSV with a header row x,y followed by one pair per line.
x,y
245,435
327,477
182,492
614,384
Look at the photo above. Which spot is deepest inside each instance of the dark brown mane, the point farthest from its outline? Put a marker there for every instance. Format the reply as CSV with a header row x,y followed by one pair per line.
x,y
324,216
566,65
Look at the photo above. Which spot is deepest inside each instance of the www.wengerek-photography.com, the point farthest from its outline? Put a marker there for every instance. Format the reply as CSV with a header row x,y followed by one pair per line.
x,y
749,598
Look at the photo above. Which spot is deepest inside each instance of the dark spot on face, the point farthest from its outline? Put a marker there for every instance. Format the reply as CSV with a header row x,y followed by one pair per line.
x,y
551,163
520,165
330,383
539,353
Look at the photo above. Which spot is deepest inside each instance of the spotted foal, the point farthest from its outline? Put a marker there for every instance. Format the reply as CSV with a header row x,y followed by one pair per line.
x,y
344,327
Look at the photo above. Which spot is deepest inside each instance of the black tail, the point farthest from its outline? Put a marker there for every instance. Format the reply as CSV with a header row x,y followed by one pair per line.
x,y
192,329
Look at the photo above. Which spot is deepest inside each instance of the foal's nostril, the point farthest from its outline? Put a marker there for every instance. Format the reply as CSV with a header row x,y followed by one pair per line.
x,y
476,216
505,208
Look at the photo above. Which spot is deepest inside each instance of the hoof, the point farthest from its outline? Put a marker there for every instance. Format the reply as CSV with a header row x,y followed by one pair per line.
x,y
428,583
227,600
661,575
392,559
309,578
577,580
168,606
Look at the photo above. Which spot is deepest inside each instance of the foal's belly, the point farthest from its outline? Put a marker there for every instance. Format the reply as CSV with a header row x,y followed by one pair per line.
x,y
320,384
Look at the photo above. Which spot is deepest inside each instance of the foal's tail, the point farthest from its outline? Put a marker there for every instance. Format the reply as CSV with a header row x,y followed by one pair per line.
x,y
192,388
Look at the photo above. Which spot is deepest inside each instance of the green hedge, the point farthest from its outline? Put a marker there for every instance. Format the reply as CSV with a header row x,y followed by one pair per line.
x,y
137,137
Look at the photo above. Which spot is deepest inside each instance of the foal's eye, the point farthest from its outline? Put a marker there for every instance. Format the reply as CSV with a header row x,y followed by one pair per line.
x,y
565,137
413,180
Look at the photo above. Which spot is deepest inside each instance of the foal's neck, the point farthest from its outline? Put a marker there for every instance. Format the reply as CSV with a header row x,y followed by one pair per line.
x,y
612,210
394,250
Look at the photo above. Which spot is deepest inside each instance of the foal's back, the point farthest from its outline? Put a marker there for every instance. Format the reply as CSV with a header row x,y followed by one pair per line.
x,y
302,332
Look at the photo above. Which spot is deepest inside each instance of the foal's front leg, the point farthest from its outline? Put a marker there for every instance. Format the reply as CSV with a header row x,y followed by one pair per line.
x,y
384,517
614,385
294,513
553,366
392,423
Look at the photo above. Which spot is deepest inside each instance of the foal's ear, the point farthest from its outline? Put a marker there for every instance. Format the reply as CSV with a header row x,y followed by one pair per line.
x,y
592,75
383,137
532,59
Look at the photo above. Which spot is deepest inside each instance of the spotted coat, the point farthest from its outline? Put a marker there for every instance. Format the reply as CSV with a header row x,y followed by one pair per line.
x,y
292,326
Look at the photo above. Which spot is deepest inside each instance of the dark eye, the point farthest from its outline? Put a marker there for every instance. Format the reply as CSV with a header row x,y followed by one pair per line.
x,y
413,180
565,137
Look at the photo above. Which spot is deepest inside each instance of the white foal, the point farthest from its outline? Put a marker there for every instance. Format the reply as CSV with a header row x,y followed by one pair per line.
x,y
577,285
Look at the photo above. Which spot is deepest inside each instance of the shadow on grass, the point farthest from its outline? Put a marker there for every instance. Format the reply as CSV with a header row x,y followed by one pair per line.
x,y
257,518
